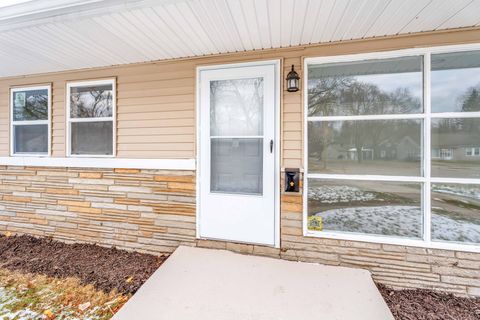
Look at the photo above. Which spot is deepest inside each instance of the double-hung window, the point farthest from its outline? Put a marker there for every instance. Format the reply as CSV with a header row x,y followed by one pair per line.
x,y
91,125
30,121
389,154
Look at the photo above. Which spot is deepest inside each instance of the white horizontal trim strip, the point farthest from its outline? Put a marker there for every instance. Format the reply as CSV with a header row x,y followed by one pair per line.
x,y
29,122
236,137
391,54
160,164
369,117
395,241
444,115
390,178
365,177
100,119
455,180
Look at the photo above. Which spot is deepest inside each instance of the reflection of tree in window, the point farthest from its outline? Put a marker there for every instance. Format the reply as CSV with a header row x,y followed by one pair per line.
x,y
354,97
91,102
237,103
36,106
470,101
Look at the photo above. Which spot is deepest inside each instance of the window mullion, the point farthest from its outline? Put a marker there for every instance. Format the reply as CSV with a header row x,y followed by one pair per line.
x,y
427,206
367,117
91,119
29,122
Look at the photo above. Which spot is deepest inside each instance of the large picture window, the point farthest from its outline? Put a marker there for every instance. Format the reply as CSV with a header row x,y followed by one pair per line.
x,y
91,118
30,121
392,148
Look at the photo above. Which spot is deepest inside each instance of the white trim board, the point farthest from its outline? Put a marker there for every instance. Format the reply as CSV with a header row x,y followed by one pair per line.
x,y
159,164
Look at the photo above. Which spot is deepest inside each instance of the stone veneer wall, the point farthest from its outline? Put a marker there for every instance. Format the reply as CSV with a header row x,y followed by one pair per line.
x,y
145,210
154,211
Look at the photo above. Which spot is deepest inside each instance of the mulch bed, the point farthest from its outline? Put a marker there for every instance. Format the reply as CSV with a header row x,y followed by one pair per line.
x,y
419,304
104,268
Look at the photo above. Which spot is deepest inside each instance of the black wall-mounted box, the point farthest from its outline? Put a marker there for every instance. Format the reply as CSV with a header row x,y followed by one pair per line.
x,y
292,179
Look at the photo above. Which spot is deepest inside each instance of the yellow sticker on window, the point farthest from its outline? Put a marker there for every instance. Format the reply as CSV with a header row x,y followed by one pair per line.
x,y
315,223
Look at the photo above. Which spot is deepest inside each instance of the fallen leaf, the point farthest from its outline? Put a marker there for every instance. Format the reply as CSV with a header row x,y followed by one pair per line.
x,y
129,280
49,314
8,234
84,306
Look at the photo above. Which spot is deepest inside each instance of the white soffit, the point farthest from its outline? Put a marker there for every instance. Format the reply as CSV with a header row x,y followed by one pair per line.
x,y
53,35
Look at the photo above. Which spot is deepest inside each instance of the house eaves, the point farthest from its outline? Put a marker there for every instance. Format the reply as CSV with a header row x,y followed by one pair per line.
x,y
56,35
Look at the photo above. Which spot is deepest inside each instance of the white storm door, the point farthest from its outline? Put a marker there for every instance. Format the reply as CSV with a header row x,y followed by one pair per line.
x,y
237,154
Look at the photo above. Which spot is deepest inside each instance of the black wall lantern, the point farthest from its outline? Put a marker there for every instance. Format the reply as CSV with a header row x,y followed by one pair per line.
x,y
292,80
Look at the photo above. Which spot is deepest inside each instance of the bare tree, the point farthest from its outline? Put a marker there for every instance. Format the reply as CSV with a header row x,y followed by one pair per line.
x,y
350,96
91,103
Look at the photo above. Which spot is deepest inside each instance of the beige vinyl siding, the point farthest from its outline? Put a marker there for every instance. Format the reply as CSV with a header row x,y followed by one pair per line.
x,y
156,101
4,120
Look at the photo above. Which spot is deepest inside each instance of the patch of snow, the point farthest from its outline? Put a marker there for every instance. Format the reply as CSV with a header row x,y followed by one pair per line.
x,y
339,194
8,297
404,221
468,192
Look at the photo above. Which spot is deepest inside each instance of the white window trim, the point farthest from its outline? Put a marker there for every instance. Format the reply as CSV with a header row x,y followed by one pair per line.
x,y
113,118
473,151
48,122
426,179
109,163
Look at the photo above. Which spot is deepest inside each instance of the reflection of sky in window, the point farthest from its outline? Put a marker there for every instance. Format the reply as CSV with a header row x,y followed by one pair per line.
x,y
390,82
449,86
6,3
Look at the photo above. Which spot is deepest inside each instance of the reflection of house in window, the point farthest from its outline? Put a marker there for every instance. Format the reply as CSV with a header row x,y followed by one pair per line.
x,y
455,147
472,152
442,154
446,154
367,154
406,149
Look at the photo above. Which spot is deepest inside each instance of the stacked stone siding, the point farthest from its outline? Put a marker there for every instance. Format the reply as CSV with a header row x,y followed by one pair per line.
x,y
145,210
154,211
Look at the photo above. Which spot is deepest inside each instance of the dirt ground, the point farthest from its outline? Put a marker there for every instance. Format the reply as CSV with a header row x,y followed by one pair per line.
x,y
104,268
417,304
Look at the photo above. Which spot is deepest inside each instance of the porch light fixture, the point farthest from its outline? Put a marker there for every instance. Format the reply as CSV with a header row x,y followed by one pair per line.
x,y
292,80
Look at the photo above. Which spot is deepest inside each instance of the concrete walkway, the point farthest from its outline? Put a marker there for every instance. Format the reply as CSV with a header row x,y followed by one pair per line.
x,y
197,284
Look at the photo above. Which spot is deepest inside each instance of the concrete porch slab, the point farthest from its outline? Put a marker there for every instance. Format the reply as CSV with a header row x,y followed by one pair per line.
x,y
208,284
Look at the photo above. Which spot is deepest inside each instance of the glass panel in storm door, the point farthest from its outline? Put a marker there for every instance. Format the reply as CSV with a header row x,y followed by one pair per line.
x,y
236,131
236,107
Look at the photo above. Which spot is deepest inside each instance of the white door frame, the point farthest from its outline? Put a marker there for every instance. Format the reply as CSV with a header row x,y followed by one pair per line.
x,y
276,63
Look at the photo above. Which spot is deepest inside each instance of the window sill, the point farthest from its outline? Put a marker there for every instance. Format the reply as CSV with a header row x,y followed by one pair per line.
x,y
109,162
91,156
31,155
392,241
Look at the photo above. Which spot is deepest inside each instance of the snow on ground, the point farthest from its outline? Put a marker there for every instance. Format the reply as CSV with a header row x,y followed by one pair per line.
x,y
394,220
458,190
24,303
339,194
7,297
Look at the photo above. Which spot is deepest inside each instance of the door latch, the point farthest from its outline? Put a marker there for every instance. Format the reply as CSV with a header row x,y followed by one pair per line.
x,y
271,146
